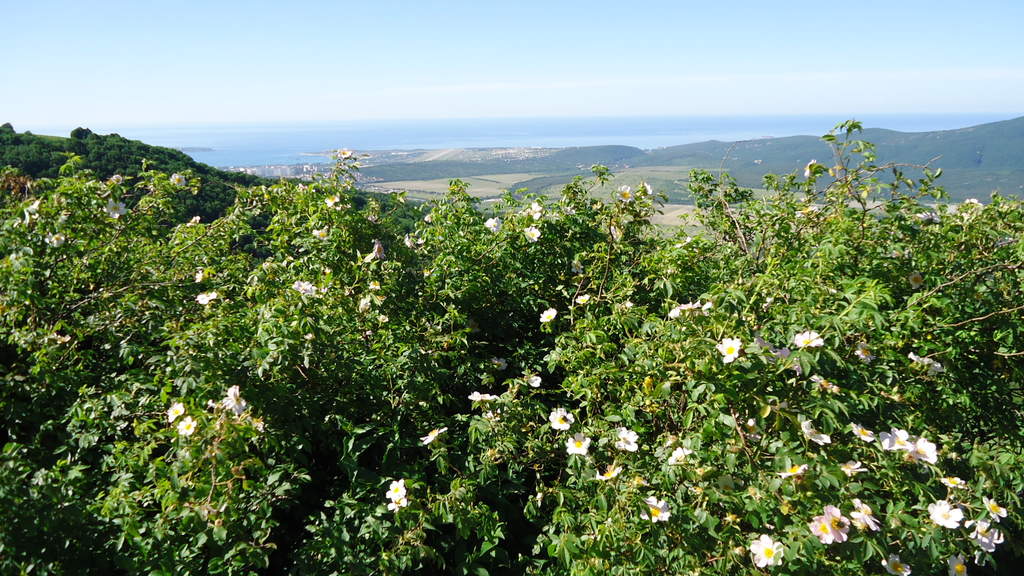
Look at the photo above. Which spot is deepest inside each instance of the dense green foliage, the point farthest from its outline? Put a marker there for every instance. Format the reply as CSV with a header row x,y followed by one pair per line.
x,y
107,155
344,397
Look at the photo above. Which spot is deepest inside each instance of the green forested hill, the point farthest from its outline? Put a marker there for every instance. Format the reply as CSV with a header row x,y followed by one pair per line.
x,y
976,160
42,156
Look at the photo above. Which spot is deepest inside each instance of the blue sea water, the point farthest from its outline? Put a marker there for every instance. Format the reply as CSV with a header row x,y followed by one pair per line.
x,y
265,144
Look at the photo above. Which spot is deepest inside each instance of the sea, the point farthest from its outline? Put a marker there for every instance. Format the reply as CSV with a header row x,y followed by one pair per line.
x,y
262,144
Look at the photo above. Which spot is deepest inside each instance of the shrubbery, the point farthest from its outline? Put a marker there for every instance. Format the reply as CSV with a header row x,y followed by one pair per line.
x,y
824,380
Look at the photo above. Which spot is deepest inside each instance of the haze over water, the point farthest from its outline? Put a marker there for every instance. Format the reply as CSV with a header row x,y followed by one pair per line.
x,y
293,143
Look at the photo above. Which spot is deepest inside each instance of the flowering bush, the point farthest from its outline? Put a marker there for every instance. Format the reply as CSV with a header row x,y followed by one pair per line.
x,y
827,379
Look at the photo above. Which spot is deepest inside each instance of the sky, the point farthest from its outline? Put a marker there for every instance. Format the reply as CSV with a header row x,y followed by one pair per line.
x,y
161,62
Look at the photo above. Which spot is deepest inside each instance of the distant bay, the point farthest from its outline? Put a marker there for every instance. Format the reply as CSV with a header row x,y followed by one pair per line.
x,y
226,145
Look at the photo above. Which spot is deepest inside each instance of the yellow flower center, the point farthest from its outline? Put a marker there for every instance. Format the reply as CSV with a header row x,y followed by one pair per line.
x,y
769,552
794,469
730,350
579,444
993,507
824,528
897,566
960,569
655,512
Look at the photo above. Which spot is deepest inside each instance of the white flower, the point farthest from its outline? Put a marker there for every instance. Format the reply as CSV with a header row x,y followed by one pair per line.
x,y
409,242
578,444
808,339
729,348
953,482
824,384
364,304
560,419
576,267
56,239
831,527
499,363
548,315
929,217
793,470
931,365
984,536
924,451
177,179
115,209
956,563
616,232
396,505
610,472
814,435
535,210
994,510
374,285
852,468
478,397
534,381
193,221
678,455
304,288
766,552
344,153
532,233
916,279
863,517
583,299
862,352
432,435
808,166
176,409
377,253
320,233
333,201
116,179
657,510
233,401
206,297
187,426
493,224
200,275
625,194
397,490
893,565
945,515
896,440
627,440
863,433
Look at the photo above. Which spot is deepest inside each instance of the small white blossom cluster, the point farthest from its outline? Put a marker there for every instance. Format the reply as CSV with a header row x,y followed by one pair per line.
x,y
397,495
690,307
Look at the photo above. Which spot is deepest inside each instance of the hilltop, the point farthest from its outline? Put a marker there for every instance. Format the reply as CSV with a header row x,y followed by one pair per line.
x,y
105,155
976,161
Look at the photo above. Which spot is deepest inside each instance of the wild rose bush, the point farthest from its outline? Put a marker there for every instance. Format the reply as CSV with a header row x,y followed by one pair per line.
x,y
826,379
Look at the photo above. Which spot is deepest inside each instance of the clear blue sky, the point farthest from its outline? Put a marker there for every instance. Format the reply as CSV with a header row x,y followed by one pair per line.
x,y
145,62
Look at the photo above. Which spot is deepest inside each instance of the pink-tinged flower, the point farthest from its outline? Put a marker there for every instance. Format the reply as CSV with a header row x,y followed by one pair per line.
x,y
896,440
924,451
863,433
994,510
766,552
830,527
813,434
862,352
863,517
657,510
808,339
893,565
852,468
627,440
984,535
